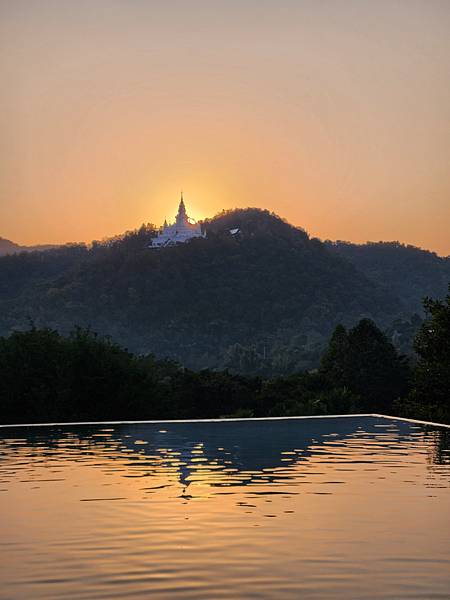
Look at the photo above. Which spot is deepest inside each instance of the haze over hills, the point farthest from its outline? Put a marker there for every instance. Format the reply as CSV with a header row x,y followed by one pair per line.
x,y
262,301
8,247
409,272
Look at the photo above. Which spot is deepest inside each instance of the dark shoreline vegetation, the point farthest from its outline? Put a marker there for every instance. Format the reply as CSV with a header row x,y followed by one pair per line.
x,y
48,377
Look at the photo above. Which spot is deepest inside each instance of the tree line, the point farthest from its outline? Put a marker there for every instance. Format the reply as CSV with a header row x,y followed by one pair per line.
x,y
48,377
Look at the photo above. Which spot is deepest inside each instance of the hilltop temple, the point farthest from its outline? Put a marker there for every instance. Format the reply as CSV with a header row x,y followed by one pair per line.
x,y
181,231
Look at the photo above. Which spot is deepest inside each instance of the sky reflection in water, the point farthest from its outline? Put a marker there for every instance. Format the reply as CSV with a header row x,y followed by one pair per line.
x,y
322,508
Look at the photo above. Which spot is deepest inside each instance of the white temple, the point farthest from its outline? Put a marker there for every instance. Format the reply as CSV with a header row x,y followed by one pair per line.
x,y
181,231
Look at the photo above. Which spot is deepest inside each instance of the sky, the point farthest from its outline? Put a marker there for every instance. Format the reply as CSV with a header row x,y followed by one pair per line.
x,y
334,114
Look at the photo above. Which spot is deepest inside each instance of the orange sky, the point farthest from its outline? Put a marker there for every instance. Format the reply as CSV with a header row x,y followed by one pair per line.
x,y
336,115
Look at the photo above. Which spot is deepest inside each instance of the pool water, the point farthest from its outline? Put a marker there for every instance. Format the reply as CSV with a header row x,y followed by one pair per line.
x,y
310,508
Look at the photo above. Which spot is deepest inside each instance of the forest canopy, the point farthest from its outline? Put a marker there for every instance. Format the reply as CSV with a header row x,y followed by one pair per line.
x,y
48,377
262,302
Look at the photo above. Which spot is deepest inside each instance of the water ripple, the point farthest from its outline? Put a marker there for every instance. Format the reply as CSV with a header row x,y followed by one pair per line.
x,y
322,508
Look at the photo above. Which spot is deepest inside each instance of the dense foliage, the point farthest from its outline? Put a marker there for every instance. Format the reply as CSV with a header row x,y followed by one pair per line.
x,y
430,396
409,272
47,377
263,302
364,361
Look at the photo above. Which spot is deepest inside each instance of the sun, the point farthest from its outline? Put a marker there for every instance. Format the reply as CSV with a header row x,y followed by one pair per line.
x,y
202,199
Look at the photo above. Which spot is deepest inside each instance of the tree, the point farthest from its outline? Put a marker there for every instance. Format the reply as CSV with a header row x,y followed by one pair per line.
x,y
335,357
364,361
432,376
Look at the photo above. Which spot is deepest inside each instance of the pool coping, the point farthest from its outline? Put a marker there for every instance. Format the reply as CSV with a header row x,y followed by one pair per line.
x,y
231,419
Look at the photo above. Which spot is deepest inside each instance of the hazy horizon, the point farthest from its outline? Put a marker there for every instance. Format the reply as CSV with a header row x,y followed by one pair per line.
x,y
118,233
334,115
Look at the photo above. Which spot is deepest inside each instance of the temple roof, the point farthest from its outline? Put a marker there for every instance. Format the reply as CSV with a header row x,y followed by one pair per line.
x,y
182,207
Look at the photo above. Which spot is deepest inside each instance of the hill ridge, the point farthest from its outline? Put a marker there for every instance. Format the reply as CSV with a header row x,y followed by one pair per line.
x,y
261,302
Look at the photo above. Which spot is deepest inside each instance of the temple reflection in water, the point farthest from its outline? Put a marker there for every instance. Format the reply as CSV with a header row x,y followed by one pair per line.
x,y
288,509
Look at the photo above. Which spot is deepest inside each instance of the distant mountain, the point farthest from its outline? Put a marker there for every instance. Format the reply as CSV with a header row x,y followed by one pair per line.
x,y
407,271
8,247
260,300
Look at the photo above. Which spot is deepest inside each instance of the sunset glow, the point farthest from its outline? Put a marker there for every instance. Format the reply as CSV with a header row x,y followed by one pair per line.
x,y
333,115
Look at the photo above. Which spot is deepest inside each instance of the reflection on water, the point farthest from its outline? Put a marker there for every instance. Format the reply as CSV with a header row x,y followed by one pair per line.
x,y
320,508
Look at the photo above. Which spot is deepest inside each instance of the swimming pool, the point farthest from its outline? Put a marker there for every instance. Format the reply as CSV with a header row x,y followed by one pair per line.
x,y
351,507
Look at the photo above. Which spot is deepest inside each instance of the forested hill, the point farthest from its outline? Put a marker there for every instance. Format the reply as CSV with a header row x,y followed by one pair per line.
x,y
262,301
409,272
8,247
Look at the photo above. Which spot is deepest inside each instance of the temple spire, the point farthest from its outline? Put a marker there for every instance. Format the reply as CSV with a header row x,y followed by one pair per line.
x,y
183,230
182,208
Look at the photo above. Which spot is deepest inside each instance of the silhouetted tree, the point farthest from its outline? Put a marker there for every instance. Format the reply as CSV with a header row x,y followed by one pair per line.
x,y
432,344
364,361
335,359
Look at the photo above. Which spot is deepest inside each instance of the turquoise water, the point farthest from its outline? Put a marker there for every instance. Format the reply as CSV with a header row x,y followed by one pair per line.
x,y
318,508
